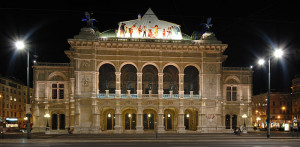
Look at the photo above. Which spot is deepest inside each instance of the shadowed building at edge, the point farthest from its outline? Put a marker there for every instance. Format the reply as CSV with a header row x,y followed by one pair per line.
x,y
142,76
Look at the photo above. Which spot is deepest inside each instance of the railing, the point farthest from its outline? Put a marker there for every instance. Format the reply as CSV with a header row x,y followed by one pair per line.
x,y
175,95
111,95
134,96
124,96
166,95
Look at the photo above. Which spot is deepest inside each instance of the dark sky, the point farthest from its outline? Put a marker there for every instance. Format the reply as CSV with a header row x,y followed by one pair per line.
x,y
250,28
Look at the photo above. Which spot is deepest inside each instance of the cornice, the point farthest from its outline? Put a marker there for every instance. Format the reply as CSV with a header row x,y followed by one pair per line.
x,y
159,46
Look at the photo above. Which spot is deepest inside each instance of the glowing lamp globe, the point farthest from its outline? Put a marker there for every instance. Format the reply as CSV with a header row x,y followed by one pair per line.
x,y
261,61
278,53
19,45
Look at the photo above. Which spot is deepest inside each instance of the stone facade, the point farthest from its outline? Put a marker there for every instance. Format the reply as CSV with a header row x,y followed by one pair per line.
x,y
145,89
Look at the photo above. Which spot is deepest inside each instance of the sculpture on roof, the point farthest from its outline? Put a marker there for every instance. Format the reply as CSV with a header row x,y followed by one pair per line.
x,y
88,19
207,25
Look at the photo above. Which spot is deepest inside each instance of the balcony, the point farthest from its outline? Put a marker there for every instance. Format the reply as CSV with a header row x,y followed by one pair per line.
x,y
147,96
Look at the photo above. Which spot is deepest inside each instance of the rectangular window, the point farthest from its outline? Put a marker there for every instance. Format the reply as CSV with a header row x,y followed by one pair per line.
x,y
57,91
61,94
233,93
228,93
54,91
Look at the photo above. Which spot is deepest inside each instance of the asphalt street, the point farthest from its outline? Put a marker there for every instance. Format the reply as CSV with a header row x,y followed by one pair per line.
x,y
279,139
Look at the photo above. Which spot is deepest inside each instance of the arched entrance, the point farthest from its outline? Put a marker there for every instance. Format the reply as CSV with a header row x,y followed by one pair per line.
x,y
170,79
191,80
129,117
149,119
109,119
227,121
58,121
170,117
150,79
234,121
191,119
128,79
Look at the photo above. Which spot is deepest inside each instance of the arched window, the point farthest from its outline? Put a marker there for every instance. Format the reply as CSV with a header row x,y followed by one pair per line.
x,y
170,79
128,79
107,78
150,79
191,80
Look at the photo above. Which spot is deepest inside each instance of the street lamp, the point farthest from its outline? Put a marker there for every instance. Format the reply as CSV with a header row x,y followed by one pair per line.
x,y
21,46
47,115
278,53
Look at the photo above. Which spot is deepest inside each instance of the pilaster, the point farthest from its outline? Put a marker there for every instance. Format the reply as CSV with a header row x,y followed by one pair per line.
x,y
139,84
118,84
160,84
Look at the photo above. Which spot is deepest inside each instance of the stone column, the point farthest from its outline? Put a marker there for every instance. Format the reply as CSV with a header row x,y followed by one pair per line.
x,y
139,124
201,122
37,120
118,84
160,121
199,127
97,84
181,85
67,116
94,81
139,84
118,120
160,84
72,103
96,118
77,91
181,127
200,85
77,115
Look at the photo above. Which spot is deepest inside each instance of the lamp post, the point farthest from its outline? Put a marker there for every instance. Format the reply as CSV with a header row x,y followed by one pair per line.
x,y
278,53
21,46
47,115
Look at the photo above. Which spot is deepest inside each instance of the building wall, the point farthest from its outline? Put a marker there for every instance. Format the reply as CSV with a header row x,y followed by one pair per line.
x,y
280,108
87,110
13,96
296,97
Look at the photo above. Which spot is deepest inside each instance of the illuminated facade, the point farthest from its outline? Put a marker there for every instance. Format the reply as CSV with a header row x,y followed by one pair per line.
x,y
125,83
280,109
296,97
13,95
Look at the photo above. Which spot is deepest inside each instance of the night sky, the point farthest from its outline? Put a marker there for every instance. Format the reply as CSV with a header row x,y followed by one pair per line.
x,y
251,29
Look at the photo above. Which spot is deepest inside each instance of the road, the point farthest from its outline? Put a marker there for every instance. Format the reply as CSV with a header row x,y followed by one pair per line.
x,y
152,143
258,139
